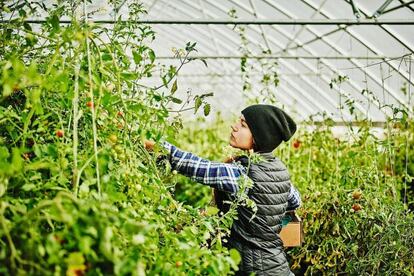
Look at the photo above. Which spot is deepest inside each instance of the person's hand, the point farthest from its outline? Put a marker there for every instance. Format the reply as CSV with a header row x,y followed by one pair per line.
x,y
149,145
229,159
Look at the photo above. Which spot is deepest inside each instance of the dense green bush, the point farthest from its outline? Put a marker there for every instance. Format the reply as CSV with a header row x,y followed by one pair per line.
x,y
351,205
210,143
78,192
404,162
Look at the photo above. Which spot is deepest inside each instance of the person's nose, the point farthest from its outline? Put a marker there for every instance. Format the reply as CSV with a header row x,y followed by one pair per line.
x,y
234,128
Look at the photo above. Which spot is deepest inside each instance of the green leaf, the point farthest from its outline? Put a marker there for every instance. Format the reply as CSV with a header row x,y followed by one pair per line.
x,y
85,244
235,255
207,109
151,55
190,47
54,21
7,90
204,61
4,153
28,187
164,81
243,64
157,97
197,104
129,75
207,95
27,26
105,245
137,57
174,87
106,57
3,189
211,211
17,161
41,250
176,100
75,258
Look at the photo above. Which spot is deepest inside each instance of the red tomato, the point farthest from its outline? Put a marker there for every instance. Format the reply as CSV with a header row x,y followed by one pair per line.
x,y
356,207
89,104
60,133
296,144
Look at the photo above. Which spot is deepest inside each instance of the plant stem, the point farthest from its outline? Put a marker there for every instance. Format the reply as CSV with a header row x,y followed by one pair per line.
x,y
81,170
95,134
175,73
75,104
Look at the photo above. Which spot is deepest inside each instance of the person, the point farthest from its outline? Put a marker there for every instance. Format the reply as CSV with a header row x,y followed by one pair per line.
x,y
261,128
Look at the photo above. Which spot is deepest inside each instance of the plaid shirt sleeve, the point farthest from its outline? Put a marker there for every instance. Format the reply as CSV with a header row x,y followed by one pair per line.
x,y
294,200
222,176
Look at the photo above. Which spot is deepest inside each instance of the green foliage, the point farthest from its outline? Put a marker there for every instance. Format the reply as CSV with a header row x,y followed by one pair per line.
x,y
355,221
210,143
79,194
351,205
404,161
260,73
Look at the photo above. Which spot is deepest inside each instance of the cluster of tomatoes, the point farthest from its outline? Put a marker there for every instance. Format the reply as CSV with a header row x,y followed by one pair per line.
x,y
60,132
356,195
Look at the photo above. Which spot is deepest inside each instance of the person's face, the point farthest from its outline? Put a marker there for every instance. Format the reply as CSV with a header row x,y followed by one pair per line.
x,y
241,137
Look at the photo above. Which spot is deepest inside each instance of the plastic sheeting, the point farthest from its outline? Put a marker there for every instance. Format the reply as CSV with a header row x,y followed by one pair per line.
x,y
376,59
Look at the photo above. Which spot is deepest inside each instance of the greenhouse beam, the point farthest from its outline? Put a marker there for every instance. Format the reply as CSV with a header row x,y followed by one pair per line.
x,y
378,124
312,52
370,47
289,57
246,22
381,9
398,7
355,10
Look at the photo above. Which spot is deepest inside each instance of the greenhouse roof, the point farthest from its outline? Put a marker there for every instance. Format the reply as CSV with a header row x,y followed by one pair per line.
x,y
312,42
339,57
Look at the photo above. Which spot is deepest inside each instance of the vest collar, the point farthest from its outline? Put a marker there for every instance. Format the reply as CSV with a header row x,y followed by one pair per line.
x,y
244,159
267,155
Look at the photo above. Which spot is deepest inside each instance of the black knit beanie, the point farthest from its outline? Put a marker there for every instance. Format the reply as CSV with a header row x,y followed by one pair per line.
x,y
269,125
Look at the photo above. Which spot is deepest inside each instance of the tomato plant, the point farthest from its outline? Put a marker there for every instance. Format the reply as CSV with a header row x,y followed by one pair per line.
x,y
350,201
95,202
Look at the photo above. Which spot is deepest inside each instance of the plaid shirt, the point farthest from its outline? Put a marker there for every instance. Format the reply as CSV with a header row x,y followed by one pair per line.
x,y
222,176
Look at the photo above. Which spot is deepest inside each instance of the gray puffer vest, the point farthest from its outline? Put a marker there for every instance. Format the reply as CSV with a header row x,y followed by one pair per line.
x,y
258,239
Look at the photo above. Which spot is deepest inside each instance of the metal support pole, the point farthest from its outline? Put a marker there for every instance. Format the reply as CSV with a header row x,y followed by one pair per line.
x,y
244,22
291,57
398,7
355,10
381,9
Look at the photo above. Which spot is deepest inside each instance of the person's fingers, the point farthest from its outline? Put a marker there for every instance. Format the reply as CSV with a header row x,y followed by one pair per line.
x,y
149,144
228,159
